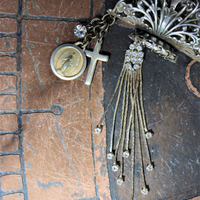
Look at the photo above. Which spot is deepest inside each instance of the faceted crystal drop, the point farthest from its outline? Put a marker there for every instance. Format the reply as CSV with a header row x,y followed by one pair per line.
x,y
80,31
150,167
145,191
97,130
115,167
149,135
120,181
110,155
125,154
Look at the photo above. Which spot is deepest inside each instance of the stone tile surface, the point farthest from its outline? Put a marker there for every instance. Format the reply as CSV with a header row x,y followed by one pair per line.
x,y
9,6
58,8
7,64
8,44
8,122
18,196
8,25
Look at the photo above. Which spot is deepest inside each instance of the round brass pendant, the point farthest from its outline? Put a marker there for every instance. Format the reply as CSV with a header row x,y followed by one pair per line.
x,y
68,62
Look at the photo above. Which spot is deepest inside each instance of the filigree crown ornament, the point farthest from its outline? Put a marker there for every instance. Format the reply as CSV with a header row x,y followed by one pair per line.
x,y
176,21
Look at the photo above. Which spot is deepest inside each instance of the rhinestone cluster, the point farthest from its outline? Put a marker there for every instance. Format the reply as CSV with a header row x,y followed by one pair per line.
x,y
134,57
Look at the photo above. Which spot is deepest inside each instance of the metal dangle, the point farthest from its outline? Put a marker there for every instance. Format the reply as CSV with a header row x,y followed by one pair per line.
x,y
69,61
133,131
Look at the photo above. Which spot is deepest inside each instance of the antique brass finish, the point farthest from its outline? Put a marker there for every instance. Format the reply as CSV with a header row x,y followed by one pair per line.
x,y
68,62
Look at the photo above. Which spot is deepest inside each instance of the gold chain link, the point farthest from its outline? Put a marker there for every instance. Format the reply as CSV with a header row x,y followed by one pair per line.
x,y
98,27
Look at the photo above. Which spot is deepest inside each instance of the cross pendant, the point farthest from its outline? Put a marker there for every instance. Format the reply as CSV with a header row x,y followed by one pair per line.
x,y
95,56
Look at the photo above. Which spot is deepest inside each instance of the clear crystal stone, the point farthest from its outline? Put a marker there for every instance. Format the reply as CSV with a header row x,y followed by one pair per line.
x,y
115,167
136,66
150,167
120,181
134,53
139,48
140,60
134,60
128,65
80,31
97,130
132,70
145,191
149,135
140,54
127,59
128,52
132,46
126,153
110,155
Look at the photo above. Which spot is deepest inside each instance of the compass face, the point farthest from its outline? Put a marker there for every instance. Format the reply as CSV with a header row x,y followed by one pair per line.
x,y
68,62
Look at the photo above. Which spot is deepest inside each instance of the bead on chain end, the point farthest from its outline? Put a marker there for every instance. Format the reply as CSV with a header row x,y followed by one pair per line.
x,y
120,180
98,130
126,154
149,167
144,191
149,135
115,167
110,155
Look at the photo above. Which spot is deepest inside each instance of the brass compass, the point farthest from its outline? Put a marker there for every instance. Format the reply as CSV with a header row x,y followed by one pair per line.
x,y
68,62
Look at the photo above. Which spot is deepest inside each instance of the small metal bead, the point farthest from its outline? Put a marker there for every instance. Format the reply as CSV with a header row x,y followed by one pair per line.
x,y
115,167
97,130
120,180
149,167
144,191
126,154
148,135
110,155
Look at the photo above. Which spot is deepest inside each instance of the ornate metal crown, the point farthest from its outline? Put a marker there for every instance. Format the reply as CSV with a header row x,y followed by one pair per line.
x,y
175,21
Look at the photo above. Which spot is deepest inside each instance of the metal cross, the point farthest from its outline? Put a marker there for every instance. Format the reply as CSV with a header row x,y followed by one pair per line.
x,y
95,56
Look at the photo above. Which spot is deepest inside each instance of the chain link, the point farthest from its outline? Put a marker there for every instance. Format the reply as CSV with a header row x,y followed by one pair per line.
x,y
97,28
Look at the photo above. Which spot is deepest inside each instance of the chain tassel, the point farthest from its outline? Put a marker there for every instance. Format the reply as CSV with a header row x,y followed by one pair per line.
x,y
133,134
